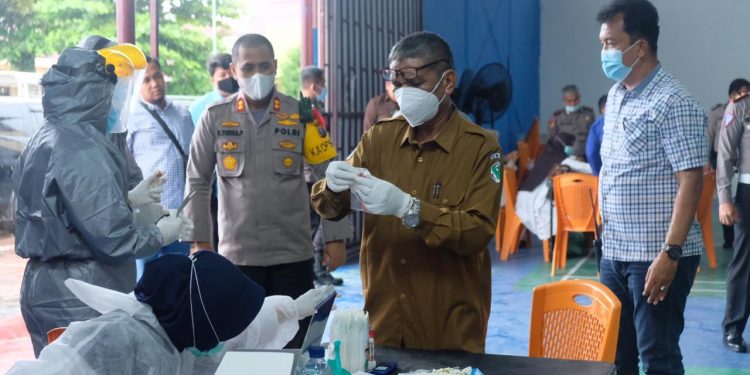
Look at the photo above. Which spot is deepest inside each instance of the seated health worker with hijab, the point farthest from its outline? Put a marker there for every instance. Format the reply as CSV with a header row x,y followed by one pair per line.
x,y
184,314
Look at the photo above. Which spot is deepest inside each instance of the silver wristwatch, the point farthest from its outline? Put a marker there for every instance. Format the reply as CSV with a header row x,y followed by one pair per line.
x,y
411,218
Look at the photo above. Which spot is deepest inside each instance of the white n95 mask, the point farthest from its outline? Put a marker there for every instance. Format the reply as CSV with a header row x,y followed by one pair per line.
x,y
416,105
258,86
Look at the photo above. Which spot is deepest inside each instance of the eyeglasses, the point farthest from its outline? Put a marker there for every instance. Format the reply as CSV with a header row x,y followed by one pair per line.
x,y
408,73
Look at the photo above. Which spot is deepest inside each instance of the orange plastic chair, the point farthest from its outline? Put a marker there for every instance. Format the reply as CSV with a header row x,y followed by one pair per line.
x,y
524,160
508,236
573,199
704,214
534,139
54,333
574,320
509,226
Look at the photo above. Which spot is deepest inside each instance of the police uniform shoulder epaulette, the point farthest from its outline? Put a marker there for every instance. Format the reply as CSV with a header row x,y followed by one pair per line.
x,y
558,112
286,98
221,102
740,97
587,109
717,106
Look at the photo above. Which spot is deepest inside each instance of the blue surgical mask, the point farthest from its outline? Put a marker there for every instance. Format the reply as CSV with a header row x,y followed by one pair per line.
x,y
569,150
612,64
112,119
213,351
323,94
572,108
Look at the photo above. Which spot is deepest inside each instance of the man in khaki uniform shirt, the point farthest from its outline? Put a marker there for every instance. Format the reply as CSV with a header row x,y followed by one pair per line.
x,y
574,119
256,142
432,192
380,107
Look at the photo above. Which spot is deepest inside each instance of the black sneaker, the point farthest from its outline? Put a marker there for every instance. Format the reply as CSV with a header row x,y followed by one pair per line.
x,y
727,245
325,278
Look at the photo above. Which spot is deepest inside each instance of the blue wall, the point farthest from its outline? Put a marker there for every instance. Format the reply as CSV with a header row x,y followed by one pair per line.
x,y
485,31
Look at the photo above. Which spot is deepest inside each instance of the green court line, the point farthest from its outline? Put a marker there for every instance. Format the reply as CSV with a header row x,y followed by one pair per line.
x,y
715,371
708,282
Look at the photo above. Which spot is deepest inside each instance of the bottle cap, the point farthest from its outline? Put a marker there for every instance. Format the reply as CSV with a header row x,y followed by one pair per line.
x,y
316,351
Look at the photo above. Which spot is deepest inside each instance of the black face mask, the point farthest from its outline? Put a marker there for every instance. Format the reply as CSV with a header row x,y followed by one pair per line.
x,y
228,85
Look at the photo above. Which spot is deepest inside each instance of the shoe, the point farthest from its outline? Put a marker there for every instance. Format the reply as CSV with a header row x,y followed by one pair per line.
x,y
735,343
325,278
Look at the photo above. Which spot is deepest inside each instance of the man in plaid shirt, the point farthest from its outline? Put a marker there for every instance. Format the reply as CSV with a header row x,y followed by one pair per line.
x,y
651,179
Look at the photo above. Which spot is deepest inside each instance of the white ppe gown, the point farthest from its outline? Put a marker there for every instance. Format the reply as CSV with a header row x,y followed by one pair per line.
x,y
128,339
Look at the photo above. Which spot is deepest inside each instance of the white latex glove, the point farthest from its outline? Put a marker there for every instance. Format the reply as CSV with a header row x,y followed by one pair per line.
x,y
148,213
148,191
381,197
174,228
340,176
307,302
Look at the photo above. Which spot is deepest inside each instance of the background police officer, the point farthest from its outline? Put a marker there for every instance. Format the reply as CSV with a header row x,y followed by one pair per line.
x,y
574,119
734,151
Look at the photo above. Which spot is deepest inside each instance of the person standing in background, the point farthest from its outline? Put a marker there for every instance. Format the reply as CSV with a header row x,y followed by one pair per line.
x,y
324,233
738,87
380,107
594,141
222,81
159,140
574,119
734,152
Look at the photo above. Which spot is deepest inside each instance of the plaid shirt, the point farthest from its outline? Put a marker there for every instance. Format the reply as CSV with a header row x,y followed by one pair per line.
x,y
650,133
153,150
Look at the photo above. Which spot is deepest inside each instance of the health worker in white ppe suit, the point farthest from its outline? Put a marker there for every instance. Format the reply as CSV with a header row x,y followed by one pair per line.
x,y
75,216
184,314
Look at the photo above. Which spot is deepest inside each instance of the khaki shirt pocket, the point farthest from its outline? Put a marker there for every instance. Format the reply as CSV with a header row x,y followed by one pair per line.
x,y
448,195
287,156
230,156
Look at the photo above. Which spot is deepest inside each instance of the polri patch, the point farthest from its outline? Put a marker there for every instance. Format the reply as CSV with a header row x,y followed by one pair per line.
x,y
495,156
496,172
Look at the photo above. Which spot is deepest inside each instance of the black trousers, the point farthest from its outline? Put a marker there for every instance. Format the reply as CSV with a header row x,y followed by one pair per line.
x,y
290,279
738,270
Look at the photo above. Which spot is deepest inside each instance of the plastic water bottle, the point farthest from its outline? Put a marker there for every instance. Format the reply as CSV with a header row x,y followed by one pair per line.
x,y
317,364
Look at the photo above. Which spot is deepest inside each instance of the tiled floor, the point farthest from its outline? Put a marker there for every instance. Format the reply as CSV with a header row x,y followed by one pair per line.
x,y
514,280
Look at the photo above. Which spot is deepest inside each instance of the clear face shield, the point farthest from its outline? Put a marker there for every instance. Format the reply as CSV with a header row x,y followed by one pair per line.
x,y
130,67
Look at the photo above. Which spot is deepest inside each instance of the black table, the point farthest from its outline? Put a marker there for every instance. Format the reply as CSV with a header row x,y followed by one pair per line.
x,y
490,364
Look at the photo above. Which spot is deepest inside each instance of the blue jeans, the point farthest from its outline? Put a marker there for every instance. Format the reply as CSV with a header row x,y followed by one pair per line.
x,y
653,332
176,247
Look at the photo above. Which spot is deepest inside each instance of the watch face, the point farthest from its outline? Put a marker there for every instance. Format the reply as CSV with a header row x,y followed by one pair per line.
x,y
411,220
